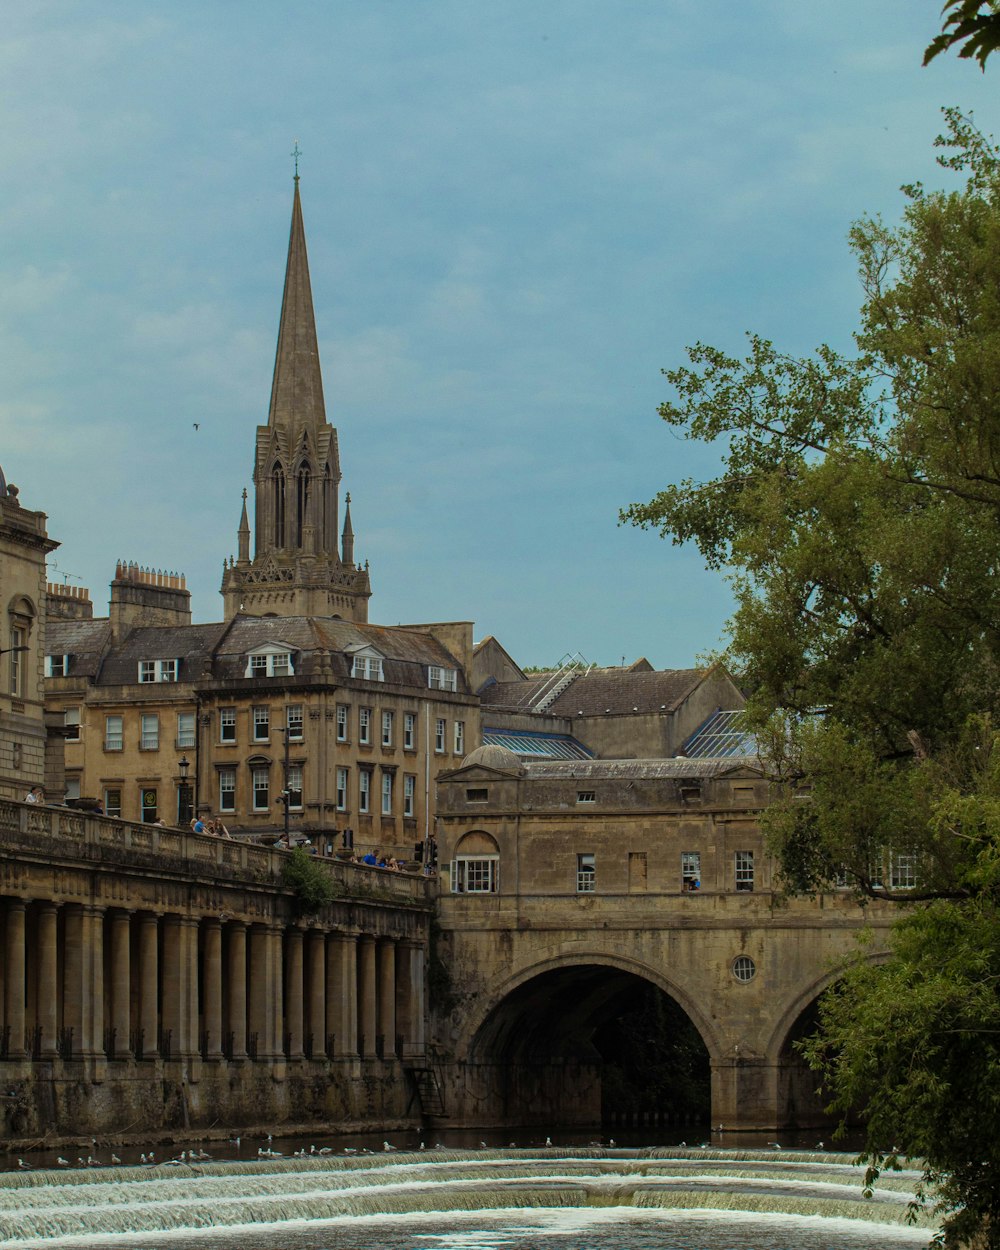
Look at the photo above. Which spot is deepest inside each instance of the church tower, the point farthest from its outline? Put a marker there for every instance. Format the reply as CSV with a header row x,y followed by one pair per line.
x,y
297,568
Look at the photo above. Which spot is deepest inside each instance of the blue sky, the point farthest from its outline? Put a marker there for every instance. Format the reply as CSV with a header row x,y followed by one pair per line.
x,y
517,215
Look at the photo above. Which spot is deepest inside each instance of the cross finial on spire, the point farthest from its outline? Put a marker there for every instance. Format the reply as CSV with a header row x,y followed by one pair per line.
x,y
244,494
296,153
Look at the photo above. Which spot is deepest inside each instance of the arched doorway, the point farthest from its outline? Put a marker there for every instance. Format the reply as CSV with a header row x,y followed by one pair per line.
x,y
590,1044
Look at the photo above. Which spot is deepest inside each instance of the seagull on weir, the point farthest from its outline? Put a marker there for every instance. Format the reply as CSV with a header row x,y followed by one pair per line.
x,y
25,1167
388,1146
548,1141
63,1163
115,1160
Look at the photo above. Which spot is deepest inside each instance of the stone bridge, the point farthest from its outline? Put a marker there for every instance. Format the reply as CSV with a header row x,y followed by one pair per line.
x,y
565,885
157,978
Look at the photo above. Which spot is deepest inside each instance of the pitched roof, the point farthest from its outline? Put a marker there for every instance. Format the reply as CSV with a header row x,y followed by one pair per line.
x,y
602,690
191,644
84,640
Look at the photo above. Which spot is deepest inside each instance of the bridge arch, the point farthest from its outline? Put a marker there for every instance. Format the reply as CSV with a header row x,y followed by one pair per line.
x,y
478,1022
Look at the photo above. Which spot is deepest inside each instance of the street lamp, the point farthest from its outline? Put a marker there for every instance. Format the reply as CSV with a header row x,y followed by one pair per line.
x,y
12,650
184,764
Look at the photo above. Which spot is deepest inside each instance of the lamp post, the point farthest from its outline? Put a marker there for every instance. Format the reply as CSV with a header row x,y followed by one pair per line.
x,y
286,730
184,764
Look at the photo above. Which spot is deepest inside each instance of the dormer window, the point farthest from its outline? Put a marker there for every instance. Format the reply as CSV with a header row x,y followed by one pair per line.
x,y
269,661
442,678
366,663
158,670
368,667
57,666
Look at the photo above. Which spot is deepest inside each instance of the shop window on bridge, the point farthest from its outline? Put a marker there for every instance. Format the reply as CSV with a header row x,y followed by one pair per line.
x,y
744,872
690,870
476,866
586,874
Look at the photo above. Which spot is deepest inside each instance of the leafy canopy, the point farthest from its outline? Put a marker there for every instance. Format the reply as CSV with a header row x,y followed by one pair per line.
x,y
857,514
972,24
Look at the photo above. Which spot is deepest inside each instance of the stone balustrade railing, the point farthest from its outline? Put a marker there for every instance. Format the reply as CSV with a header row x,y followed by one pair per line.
x,y
22,824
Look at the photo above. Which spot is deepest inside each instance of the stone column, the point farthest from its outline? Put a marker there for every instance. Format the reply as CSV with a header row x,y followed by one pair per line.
x,y
73,978
149,988
276,1001
92,983
47,988
180,985
387,996
265,996
316,993
14,978
366,994
293,991
342,993
212,986
418,1013
236,987
121,976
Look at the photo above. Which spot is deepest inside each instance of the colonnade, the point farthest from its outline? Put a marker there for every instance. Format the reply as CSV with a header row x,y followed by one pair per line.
x,y
85,981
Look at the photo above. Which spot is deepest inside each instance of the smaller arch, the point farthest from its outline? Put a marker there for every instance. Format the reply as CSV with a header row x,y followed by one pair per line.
x,y
477,842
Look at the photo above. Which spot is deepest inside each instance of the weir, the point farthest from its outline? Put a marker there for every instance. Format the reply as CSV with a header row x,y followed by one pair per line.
x,y
258,1198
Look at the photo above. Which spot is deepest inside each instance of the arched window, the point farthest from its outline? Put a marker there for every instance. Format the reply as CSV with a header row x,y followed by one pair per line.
x,y
302,486
20,622
278,489
476,866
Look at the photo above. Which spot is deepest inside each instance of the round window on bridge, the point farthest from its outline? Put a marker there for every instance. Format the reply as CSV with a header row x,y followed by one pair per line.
x,y
744,968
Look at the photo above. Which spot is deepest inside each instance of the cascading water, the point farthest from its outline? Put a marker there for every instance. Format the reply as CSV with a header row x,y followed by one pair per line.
x,y
667,1199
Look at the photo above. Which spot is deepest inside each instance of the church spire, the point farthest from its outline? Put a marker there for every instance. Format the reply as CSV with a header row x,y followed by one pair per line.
x,y
297,388
243,534
347,538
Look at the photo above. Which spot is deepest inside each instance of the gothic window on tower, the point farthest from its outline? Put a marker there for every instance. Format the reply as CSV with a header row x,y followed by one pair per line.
x,y
301,503
278,494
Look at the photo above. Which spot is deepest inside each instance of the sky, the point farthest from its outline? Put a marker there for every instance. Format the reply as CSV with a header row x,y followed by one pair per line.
x,y
517,216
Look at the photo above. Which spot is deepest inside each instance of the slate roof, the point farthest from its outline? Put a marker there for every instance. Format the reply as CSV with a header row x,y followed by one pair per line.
x,y
191,644
615,690
84,641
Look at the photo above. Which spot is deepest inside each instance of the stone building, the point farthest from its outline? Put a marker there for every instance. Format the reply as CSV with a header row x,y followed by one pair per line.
x,y
24,544
292,708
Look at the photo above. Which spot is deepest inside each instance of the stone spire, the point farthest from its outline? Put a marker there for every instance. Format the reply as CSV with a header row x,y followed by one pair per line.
x,y
243,533
297,387
347,540
296,568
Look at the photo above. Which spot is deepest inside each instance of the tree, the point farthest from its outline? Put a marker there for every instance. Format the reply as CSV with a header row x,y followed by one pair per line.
x,y
974,24
858,515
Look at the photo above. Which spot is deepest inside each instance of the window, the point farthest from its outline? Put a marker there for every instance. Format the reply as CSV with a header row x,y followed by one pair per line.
x,y
387,728
365,726
71,719
294,786
460,737
409,730
367,667
113,733
57,666
227,789
902,871
409,792
72,790
475,874
261,787
158,670
261,724
227,724
744,968
185,729
343,780
586,874
439,731
18,643
149,739
387,794
477,794
364,790
586,796
293,722
147,804
278,664
442,678
342,722
744,871
112,801
690,870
